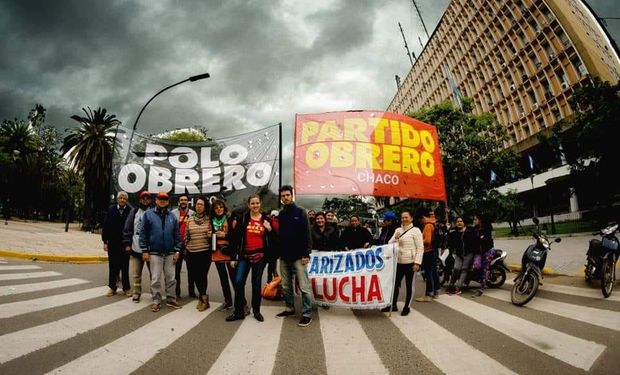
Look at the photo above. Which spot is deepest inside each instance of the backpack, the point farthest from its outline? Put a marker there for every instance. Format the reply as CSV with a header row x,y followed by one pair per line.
x,y
438,240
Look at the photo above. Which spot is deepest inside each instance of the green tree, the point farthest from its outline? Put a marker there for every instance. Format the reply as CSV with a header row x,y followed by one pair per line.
x,y
90,150
594,133
345,207
18,145
472,146
187,135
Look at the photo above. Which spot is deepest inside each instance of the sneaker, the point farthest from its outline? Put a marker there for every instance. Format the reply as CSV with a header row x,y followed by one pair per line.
x,y
304,321
285,313
173,303
136,298
155,307
232,317
455,292
224,307
259,317
128,292
424,299
435,296
405,311
477,293
111,292
385,309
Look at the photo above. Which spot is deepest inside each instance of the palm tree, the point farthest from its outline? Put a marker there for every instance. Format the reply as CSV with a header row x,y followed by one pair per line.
x,y
18,147
90,150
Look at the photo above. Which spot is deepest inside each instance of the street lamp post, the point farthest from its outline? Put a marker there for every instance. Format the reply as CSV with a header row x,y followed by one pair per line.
x,y
135,124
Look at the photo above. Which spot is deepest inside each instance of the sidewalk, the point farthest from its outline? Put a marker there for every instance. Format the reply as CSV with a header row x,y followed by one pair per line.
x,y
49,242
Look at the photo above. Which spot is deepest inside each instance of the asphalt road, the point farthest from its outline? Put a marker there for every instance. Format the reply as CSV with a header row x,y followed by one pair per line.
x,y
567,329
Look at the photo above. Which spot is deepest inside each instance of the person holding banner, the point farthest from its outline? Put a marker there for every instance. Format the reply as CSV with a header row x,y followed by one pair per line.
x,y
355,236
387,228
252,240
410,253
294,256
324,237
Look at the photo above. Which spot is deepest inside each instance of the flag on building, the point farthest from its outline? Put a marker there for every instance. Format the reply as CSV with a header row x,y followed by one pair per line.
x,y
455,89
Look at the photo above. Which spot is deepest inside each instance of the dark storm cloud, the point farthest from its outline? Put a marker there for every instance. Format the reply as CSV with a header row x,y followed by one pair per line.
x,y
268,59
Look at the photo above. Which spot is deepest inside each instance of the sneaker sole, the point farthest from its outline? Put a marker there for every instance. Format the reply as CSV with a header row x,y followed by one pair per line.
x,y
304,325
173,306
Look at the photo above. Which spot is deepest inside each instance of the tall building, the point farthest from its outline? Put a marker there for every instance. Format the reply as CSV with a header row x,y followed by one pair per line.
x,y
520,61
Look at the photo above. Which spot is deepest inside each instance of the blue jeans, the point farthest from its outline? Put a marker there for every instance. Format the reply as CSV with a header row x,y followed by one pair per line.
x,y
243,269
429,265
286,273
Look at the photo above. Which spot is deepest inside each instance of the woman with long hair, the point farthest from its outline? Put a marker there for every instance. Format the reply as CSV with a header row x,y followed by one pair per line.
x,y
251,243
221,229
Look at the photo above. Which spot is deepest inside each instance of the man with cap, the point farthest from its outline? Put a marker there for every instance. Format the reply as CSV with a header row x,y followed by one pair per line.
x,y
388,227
112,237
161,245
131,240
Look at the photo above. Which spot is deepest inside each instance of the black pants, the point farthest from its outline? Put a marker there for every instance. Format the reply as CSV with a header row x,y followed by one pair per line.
x,y
177,276
225,271
198,265
118,261
405,270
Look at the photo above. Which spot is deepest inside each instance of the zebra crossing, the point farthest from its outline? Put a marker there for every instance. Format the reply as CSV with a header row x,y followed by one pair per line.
x,y
46,329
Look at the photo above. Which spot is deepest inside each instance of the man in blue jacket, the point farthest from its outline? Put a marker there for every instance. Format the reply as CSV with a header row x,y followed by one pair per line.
x,y
161,245
294,255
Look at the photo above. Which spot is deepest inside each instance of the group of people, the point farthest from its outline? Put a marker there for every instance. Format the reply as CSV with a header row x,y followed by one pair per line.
x,y
418,248
161,239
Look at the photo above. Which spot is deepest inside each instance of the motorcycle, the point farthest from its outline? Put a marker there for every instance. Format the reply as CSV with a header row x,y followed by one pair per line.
x,y
601,259
497,269
532,263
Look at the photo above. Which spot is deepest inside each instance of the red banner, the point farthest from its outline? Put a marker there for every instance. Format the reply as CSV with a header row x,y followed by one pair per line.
x,y
367,153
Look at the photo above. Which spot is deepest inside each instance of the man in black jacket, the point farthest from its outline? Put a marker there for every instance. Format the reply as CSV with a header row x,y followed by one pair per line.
x,y
295,243
112,237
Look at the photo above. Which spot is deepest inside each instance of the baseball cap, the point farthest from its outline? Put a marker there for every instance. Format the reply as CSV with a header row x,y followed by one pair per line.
x,y
145,193
389,215
162,195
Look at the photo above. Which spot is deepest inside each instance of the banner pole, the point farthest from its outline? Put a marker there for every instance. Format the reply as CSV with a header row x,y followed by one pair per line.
x,y
279,160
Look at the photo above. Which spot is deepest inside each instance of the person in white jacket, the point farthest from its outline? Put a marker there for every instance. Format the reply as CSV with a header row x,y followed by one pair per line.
x,y
410,252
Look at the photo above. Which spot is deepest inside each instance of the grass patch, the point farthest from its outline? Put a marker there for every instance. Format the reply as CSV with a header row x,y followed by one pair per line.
x,y
560,228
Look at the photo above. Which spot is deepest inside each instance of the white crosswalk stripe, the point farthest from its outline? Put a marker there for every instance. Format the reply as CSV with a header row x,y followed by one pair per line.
x,y
22,267
341,329
573,291
255,342
120,356
348,345
31,339
8,310
435,341
575,351
28,275
602,318
37,287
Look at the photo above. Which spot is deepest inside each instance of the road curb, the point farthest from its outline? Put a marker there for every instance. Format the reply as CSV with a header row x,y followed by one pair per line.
x,y
54,258
546,271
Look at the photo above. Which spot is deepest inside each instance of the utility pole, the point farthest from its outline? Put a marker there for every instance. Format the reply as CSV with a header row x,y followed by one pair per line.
x,y
420,17
406,47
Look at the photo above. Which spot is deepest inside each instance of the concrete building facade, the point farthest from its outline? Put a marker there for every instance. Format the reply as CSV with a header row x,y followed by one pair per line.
x,y
518,60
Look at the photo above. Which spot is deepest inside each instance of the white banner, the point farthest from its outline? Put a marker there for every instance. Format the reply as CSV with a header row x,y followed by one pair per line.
x,y
360,279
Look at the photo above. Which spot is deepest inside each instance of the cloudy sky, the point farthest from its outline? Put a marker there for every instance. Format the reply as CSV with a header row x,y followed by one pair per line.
x,y
268,60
